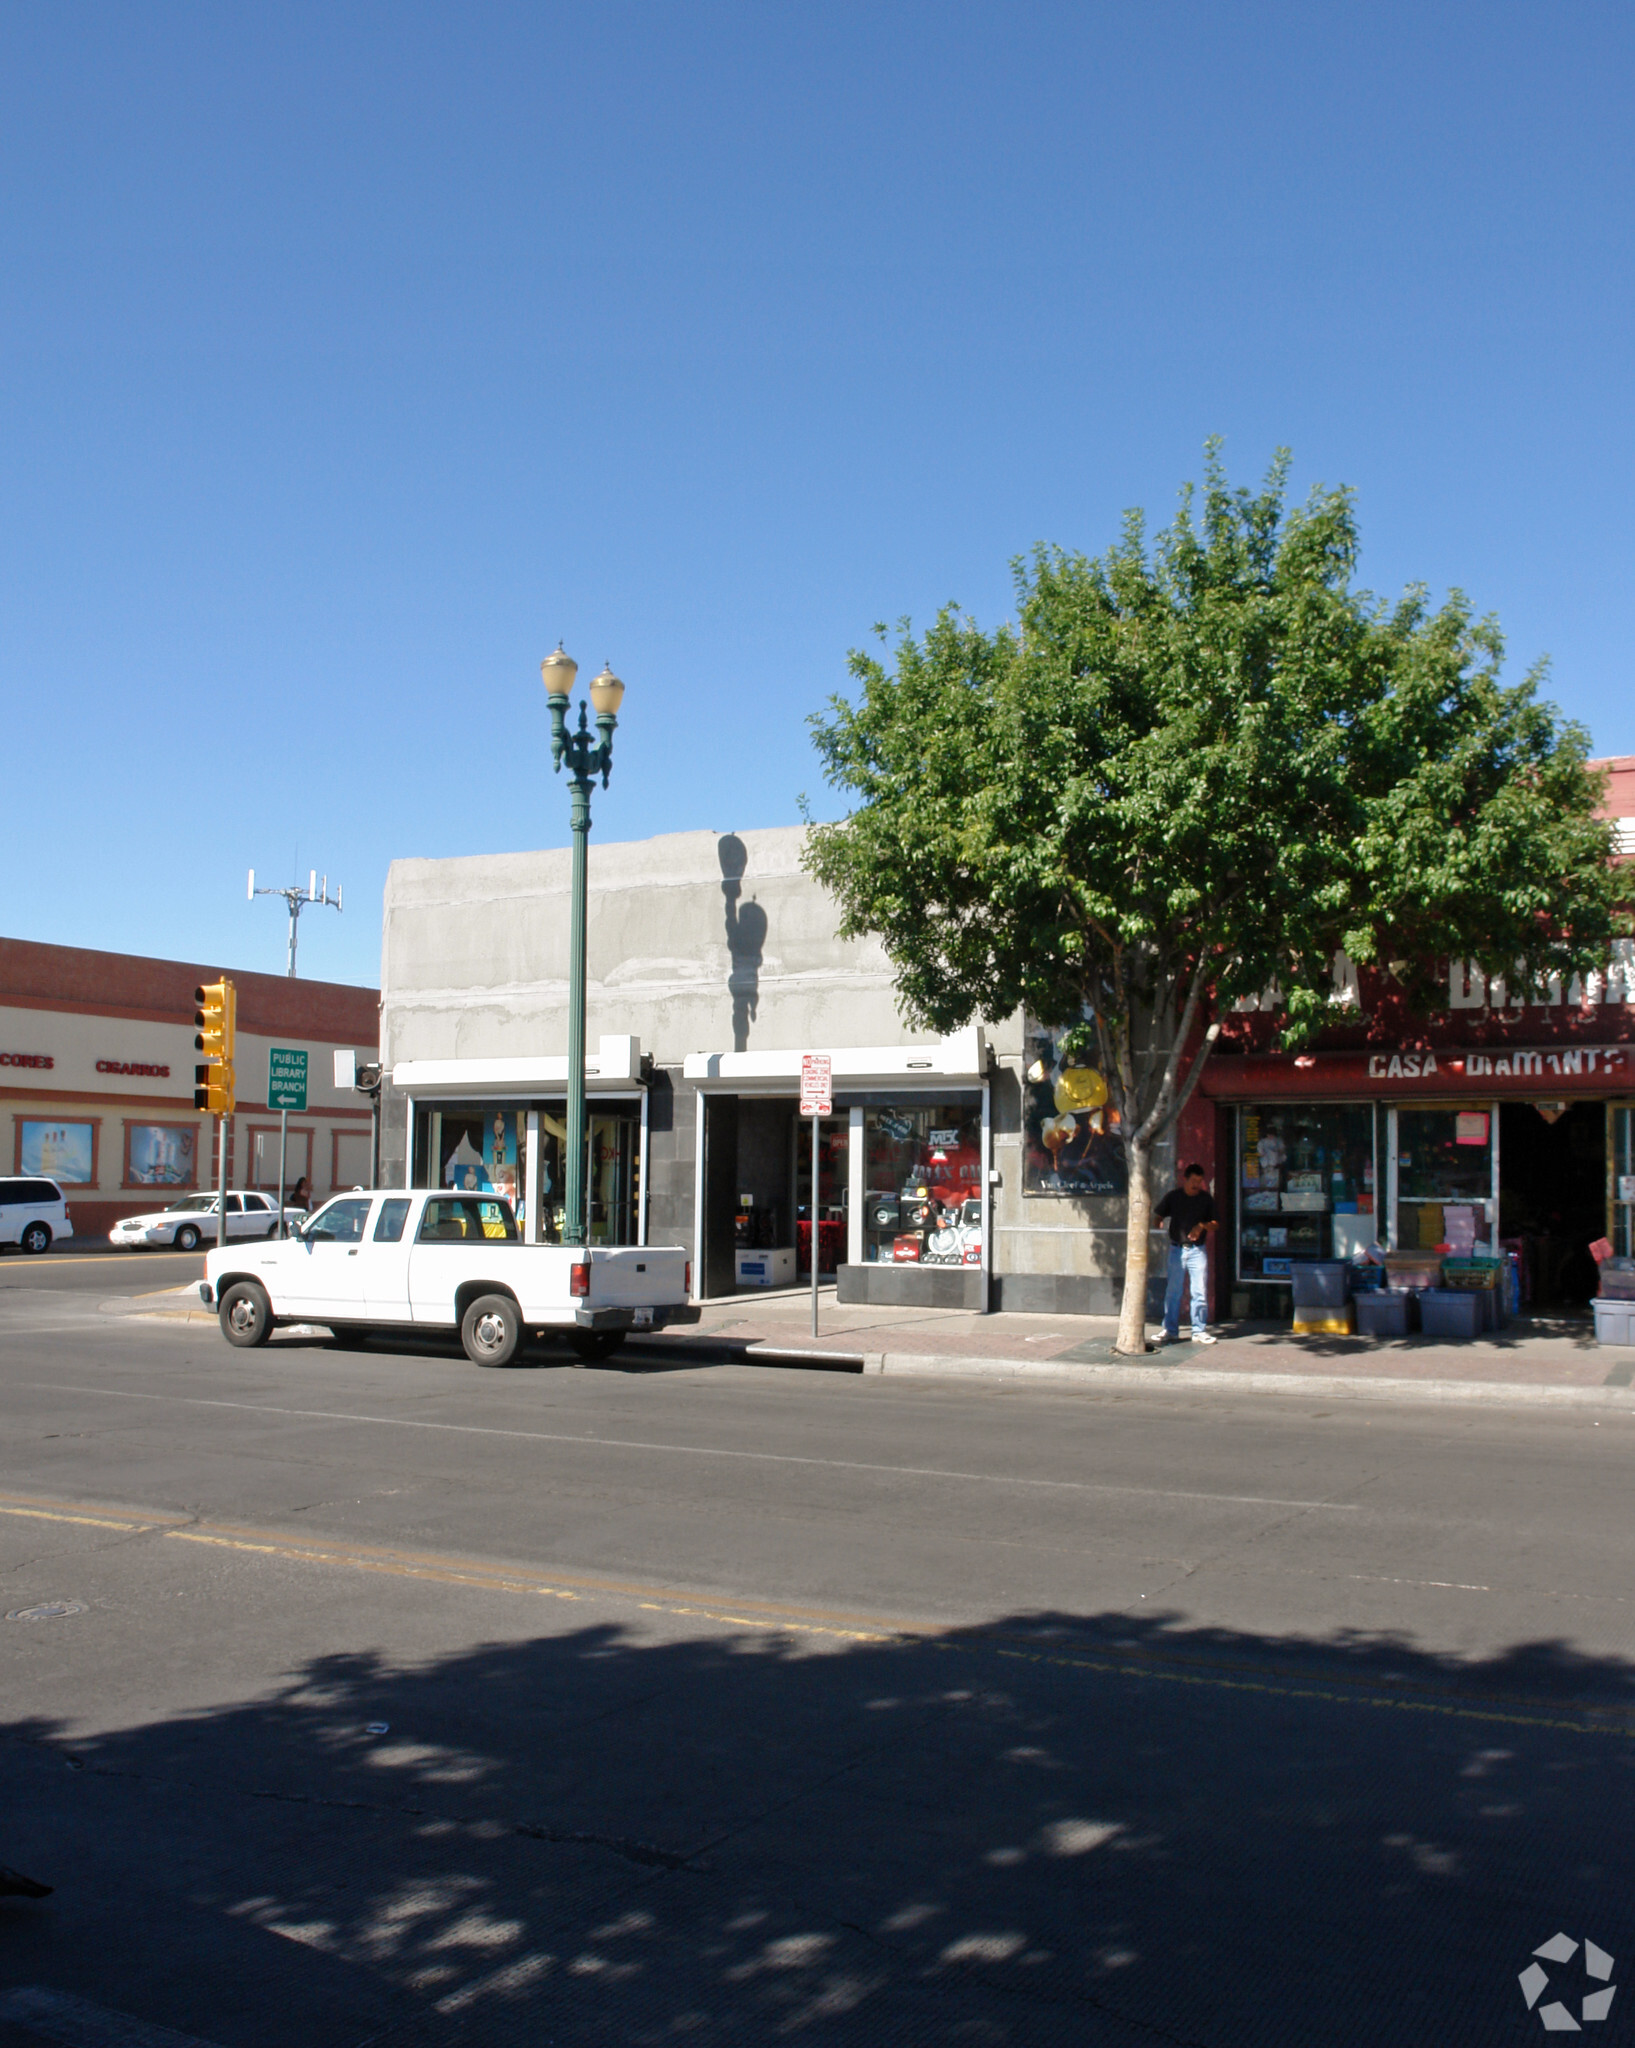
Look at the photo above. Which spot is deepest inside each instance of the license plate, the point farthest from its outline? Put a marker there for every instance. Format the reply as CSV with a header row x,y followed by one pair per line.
x,y
642,1319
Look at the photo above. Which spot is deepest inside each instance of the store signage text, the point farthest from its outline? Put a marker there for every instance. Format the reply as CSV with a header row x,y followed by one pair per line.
x,y
26,1059
1423,1066
133,1067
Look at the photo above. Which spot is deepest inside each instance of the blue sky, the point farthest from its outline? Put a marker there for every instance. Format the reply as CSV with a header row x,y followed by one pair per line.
x,y
353,354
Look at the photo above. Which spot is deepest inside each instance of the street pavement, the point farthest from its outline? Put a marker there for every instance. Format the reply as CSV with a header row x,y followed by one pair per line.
x,y
367,1697
98,1271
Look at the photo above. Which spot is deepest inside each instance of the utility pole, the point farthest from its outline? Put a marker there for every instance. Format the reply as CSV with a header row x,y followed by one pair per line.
x,y
298,898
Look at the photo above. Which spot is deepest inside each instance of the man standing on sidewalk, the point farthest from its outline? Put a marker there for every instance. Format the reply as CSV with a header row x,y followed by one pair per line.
x,y
1189,1211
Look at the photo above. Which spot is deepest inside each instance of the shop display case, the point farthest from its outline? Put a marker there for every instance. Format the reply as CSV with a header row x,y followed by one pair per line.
x,y
1305,1185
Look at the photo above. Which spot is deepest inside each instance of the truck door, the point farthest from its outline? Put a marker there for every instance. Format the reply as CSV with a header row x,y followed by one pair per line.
x,y
386,1263
325,1269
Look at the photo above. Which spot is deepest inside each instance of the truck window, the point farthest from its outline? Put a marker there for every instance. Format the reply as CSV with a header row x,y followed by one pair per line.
x,y
339,1222
467,1219
393,1215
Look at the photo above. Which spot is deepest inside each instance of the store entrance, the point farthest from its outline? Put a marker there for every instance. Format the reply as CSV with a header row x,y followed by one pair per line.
x,y
1552,1199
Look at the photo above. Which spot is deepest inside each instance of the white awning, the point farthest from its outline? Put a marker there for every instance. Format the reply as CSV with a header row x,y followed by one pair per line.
x,y
963,1058
615,1064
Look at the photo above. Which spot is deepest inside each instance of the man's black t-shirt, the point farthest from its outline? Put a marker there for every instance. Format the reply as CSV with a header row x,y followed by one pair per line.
x,y
1184,1212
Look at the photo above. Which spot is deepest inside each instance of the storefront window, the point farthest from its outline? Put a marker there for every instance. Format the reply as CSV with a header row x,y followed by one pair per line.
x,y
1623,1180
1306,1185
482,1148
1444,1177
923,1176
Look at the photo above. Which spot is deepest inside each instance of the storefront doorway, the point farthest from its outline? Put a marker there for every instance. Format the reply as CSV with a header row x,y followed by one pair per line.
x,y
1553,1197
833,1198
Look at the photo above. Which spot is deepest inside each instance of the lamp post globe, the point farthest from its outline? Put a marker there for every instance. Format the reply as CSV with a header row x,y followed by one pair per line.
x,y
557,672
606,693
587,757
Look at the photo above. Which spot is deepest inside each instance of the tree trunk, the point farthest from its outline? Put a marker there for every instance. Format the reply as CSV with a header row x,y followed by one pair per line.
x,y
1132,1314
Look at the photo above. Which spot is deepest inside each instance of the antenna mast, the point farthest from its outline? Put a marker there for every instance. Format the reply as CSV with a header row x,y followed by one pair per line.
x,y
298,898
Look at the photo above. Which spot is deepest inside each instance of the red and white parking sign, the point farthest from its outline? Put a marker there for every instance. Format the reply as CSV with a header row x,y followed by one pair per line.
x,y
816,1084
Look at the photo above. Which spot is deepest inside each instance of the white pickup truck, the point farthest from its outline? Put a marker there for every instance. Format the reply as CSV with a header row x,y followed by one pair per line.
x,y
431,1259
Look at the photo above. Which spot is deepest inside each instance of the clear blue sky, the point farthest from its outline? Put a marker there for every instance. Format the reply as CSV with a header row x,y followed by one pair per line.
x,y
353,354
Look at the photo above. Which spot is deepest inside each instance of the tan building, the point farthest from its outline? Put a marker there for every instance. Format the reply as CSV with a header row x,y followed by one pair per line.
x,y
96,1079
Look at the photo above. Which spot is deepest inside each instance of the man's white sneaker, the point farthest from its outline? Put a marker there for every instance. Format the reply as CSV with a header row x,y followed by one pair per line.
x,y
1203,1337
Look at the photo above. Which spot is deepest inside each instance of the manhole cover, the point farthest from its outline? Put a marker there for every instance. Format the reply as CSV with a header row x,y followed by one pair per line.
x,y
48,1610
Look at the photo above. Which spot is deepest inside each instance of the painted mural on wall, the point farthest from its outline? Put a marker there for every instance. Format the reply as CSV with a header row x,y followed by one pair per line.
x,y
1070,1142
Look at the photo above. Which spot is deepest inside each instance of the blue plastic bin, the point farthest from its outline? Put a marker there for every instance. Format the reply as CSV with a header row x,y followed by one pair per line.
x,y
1318,1283
1450,1312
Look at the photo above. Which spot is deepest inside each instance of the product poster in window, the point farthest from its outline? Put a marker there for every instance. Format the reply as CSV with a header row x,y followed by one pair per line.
x,y
162,1155
500,1149
1070,1141
62,1151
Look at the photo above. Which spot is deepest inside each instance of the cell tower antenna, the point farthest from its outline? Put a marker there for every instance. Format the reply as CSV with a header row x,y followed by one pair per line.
x,y
298,899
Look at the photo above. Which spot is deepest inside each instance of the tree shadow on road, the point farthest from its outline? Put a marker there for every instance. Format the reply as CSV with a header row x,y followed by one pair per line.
x,y
1057,1828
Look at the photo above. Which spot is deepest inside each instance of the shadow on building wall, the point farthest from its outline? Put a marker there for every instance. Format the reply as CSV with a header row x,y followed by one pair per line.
x,y
746,938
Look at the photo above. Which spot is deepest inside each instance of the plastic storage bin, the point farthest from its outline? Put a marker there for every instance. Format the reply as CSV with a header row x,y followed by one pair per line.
x,y
1380,1314
1614,1321
1618,1279
1450,1312
1318,1283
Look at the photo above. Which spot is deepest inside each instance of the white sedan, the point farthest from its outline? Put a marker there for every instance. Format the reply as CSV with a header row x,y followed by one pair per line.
x,y
191,1221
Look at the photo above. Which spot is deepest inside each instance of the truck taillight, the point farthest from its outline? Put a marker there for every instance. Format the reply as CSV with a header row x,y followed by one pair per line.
x,y
687,1280
579,1282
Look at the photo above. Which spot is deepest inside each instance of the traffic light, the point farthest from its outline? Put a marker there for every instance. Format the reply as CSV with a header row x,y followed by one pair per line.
x,y
217,1019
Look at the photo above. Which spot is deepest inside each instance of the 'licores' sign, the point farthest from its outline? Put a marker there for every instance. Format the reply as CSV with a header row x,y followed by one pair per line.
x,y
26,1059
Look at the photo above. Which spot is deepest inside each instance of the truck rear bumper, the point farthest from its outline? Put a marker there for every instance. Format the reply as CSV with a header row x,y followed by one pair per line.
x,y
626,1318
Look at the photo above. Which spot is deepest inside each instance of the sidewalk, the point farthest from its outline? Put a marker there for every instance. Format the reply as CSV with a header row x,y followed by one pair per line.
x,y
1537,1363
1529,1361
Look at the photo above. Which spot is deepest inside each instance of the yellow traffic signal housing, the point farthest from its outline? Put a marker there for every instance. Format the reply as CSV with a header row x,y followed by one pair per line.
x,y
217,1020
214,1090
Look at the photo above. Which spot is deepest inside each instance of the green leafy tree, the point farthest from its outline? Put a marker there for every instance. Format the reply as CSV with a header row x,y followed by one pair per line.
x,y
1197,768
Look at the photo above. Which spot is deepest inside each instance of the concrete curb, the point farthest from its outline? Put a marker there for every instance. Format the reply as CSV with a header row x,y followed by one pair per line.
x,y
1191,1379
1044,1372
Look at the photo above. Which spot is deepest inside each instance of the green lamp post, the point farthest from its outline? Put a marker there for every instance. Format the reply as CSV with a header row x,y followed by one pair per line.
x,y
586,758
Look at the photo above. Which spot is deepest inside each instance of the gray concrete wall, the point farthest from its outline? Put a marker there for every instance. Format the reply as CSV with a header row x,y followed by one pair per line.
x,y
695,944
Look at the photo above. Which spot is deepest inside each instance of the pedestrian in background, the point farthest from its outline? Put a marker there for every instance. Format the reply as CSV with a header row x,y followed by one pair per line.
x,y
300,1194
1189,1210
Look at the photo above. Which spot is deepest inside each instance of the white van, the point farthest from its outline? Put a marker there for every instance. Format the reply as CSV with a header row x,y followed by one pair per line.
x,y
32,1213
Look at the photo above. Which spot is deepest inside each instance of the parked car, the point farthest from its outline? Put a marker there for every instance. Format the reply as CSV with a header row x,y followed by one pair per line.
x,y
439,1259
191,1221
33,1212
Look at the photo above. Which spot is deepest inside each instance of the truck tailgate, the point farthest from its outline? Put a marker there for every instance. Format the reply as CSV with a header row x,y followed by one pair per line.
x,y
638,1276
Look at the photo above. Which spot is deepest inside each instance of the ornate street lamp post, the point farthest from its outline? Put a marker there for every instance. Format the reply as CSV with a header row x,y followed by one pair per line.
x,y
586,759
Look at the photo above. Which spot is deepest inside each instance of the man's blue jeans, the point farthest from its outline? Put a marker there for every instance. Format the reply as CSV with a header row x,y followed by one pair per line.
x,y
1188,1265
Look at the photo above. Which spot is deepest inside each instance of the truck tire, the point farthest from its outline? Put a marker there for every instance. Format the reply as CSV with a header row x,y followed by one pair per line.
x,y
491,1330
246,1315
595,1345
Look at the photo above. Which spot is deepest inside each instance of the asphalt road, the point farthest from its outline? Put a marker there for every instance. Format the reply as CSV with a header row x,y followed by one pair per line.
x,y
399,1703
101,1275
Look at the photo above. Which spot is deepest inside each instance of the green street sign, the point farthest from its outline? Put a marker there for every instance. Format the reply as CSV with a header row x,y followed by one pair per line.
x,y
286,1078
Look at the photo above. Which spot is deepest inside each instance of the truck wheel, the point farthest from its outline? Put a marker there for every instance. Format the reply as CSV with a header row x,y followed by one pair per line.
x,y
595,1345
491,1330
246,1315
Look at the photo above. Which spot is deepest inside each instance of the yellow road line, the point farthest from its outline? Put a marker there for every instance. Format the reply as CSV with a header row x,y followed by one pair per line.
x,y
89,1521
772,1619
119,1258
